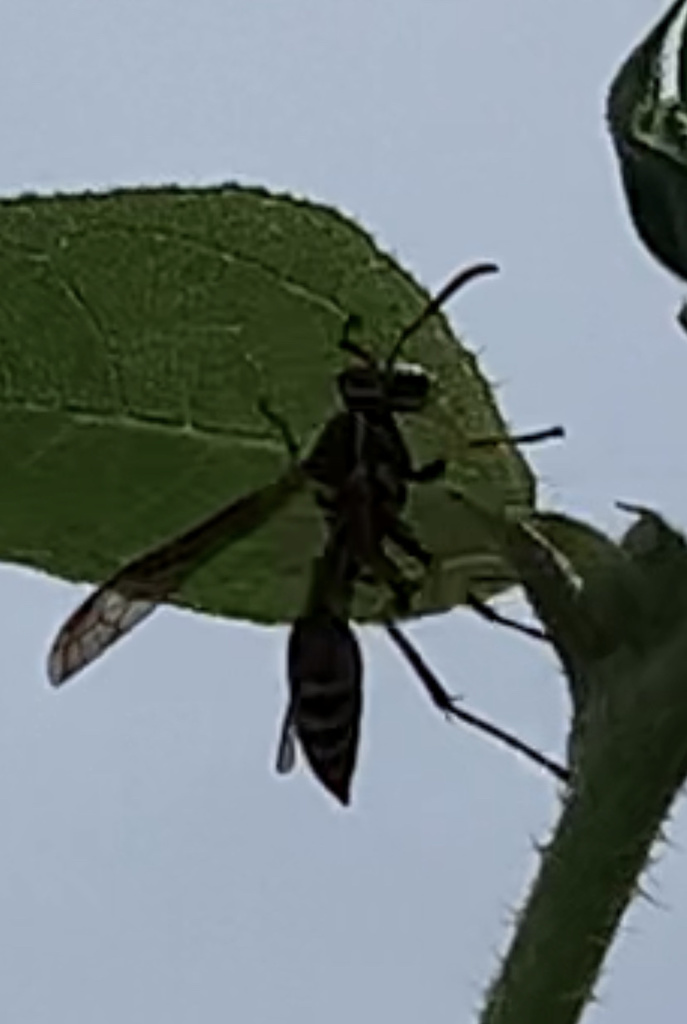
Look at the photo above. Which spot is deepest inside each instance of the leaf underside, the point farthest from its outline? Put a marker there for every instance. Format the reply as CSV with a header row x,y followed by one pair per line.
x,y
137,331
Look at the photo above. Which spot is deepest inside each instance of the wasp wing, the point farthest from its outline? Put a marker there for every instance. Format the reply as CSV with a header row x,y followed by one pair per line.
x,y
134,592
286,751
100,621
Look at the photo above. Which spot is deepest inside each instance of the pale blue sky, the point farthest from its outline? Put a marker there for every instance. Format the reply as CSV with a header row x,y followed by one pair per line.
x,y
152,867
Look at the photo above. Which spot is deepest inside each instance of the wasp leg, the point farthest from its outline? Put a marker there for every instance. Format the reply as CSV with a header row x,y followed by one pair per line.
x,y
533,437
491,615
434,470
353,323
449,705
403,537
278,421
437,693
387,572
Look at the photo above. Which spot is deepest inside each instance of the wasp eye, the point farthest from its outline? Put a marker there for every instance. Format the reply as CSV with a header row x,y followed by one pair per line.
x,y
409,387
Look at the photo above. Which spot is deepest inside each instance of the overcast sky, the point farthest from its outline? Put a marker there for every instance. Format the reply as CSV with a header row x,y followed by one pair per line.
x,y
152,866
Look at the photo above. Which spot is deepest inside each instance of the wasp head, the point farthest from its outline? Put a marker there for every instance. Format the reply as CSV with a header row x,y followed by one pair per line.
x,y
404,388
371,385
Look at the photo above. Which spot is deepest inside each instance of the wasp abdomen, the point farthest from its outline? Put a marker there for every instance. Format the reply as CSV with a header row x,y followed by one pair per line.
x,y
325,675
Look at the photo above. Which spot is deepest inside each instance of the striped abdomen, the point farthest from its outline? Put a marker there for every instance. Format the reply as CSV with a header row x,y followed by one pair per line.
x,y
325,677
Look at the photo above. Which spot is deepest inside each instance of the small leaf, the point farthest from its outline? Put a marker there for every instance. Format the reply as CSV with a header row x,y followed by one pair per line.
x,y
650,540
647,116
588,550
658,555
138,330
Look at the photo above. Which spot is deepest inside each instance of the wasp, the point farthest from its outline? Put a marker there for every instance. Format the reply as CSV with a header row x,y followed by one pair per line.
x,y
359,469
362,441
362,511
362,467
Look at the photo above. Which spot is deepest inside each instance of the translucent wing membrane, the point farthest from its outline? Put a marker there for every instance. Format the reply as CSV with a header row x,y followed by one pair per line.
x,y
134,592
97,624
286,751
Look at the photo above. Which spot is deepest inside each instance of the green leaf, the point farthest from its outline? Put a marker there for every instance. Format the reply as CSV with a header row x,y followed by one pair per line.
x,y
658,554
647,115
137,331
588,550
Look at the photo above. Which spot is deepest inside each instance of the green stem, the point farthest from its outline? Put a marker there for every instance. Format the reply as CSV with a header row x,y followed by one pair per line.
x,y
630,763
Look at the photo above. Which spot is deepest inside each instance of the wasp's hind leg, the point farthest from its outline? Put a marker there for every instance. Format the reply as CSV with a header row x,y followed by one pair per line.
x,y
353,323
488,613
403,537
382,569
436,691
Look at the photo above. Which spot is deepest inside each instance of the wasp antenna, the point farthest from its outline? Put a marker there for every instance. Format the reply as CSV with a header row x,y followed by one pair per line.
x,y
353,322
458,280
357,350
